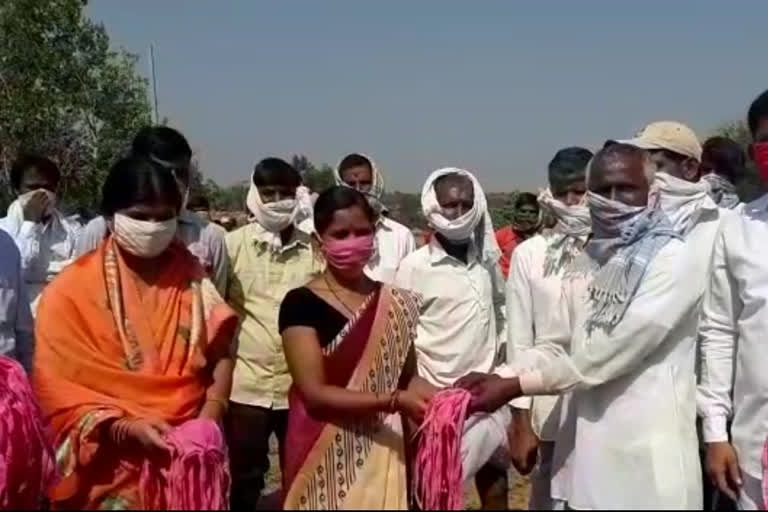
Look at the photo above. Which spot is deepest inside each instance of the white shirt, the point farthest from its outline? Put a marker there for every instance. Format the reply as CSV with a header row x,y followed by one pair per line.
x,y
462,320
734,325
17,336
393,242
533,313
46,248
205,240
632,442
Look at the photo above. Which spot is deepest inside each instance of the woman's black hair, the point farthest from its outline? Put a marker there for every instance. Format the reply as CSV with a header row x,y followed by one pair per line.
x,y
167,145
134,180
26,162
275,172
339,198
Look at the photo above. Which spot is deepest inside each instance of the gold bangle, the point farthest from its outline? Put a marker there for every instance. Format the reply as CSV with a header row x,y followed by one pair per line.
x,y
393,400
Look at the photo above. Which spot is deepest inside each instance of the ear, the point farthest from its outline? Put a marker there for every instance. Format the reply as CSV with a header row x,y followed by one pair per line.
x,y
691,170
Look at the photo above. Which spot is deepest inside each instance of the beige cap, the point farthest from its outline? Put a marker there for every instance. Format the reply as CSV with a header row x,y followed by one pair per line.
x,y
669,135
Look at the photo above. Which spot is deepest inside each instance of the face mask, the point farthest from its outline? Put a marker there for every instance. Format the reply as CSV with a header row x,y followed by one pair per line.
x,y
349,253
144,239
760,155
273,217
610,216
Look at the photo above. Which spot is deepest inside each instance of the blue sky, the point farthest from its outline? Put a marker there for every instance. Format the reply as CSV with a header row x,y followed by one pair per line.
x,y
494,86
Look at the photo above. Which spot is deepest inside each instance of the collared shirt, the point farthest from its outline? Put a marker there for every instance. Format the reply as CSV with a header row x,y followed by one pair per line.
x,y
259,279
630,430
462,321
393,242
45,247
17,338
204,239
734,323
533,313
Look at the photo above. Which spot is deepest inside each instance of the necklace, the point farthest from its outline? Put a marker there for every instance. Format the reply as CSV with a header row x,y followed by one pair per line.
x,y
336,295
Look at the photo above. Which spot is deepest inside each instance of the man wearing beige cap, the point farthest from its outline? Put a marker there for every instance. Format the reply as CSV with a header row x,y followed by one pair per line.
x,y
686,201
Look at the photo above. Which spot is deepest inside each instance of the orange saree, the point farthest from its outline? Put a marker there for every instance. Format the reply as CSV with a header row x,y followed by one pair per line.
x,y
110,346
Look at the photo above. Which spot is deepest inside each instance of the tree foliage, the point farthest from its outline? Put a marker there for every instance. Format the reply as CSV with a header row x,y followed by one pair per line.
x,y
65,93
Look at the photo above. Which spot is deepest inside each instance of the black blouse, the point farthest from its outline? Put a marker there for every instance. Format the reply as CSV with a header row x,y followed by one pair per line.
x,y
301,307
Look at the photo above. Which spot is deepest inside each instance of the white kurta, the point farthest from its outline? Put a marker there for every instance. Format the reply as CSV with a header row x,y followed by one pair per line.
x,y
459,332
533,313
734,323
393,243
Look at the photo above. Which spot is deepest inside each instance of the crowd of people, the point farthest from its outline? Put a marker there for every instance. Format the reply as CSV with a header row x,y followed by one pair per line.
x,y
623,302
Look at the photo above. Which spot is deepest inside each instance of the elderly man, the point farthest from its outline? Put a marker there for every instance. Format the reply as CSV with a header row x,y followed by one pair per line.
x,y
393,241
533,294
462,324
45,238
734,383
205,240
634,312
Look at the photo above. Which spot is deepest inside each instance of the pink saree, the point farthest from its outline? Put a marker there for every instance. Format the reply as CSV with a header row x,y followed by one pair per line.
x,y
360,464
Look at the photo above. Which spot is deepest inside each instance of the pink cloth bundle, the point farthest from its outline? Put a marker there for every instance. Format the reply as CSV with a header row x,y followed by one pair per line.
x,y
765,475
197,474
27,464
438,482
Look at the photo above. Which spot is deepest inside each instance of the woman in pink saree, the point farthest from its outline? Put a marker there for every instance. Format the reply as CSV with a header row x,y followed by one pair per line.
x,y
349,346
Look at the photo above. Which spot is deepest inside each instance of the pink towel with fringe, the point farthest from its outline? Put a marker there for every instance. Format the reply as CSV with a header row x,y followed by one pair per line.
x,y
27,464
195,477
438,483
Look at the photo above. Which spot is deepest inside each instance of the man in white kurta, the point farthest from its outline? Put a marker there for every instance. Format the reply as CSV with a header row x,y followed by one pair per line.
x,y
734,323
462,323
393,241
534,290
630,439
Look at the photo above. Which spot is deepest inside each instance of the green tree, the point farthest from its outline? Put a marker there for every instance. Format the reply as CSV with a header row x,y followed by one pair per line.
x,y
65,93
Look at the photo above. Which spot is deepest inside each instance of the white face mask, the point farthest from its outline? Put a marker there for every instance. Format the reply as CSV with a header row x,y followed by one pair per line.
x,y
273,217
145,239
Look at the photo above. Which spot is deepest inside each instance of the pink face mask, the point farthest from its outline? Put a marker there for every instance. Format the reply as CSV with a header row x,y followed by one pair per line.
x,y
349,253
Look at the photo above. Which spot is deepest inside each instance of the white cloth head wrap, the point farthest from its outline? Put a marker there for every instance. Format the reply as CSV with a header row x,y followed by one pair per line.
x,y
476,224
376,194
273,217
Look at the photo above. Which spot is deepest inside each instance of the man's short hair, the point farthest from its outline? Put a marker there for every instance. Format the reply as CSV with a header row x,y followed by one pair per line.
x,y
757,112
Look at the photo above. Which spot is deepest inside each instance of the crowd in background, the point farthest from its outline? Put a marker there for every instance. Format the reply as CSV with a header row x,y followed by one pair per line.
x,y
624,301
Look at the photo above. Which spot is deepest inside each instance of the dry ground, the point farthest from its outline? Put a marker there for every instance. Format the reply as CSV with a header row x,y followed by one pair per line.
x,y
518,489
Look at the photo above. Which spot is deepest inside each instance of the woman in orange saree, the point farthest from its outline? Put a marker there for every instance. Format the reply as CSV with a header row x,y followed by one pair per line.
x,y
348,342
132,340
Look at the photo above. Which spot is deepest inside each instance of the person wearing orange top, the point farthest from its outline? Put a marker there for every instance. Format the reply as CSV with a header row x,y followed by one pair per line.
x,y
526,220
132,340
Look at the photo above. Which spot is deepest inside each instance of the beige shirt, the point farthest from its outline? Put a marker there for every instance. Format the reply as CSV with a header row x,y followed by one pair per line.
x,y
462,321
259,279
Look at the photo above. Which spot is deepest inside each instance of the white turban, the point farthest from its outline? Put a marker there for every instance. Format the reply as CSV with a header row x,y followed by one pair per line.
x,y
476,224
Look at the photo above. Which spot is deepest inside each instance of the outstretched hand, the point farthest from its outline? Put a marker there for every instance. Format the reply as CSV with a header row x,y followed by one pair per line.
x,y
489,392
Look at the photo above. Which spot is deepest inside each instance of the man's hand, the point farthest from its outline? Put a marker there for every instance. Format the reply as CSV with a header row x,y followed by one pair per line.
x,y
489,392
523,442
723,469
35,206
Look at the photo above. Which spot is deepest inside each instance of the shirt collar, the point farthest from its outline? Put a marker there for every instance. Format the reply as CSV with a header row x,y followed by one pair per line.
x,y
262,237
437,253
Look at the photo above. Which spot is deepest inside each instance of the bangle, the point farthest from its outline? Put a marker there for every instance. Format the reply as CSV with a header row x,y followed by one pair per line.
x,y
393,400
223,403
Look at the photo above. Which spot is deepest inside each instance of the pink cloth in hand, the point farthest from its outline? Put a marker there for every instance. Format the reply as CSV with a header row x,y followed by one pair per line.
x,y
195,477
438,483
27,464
